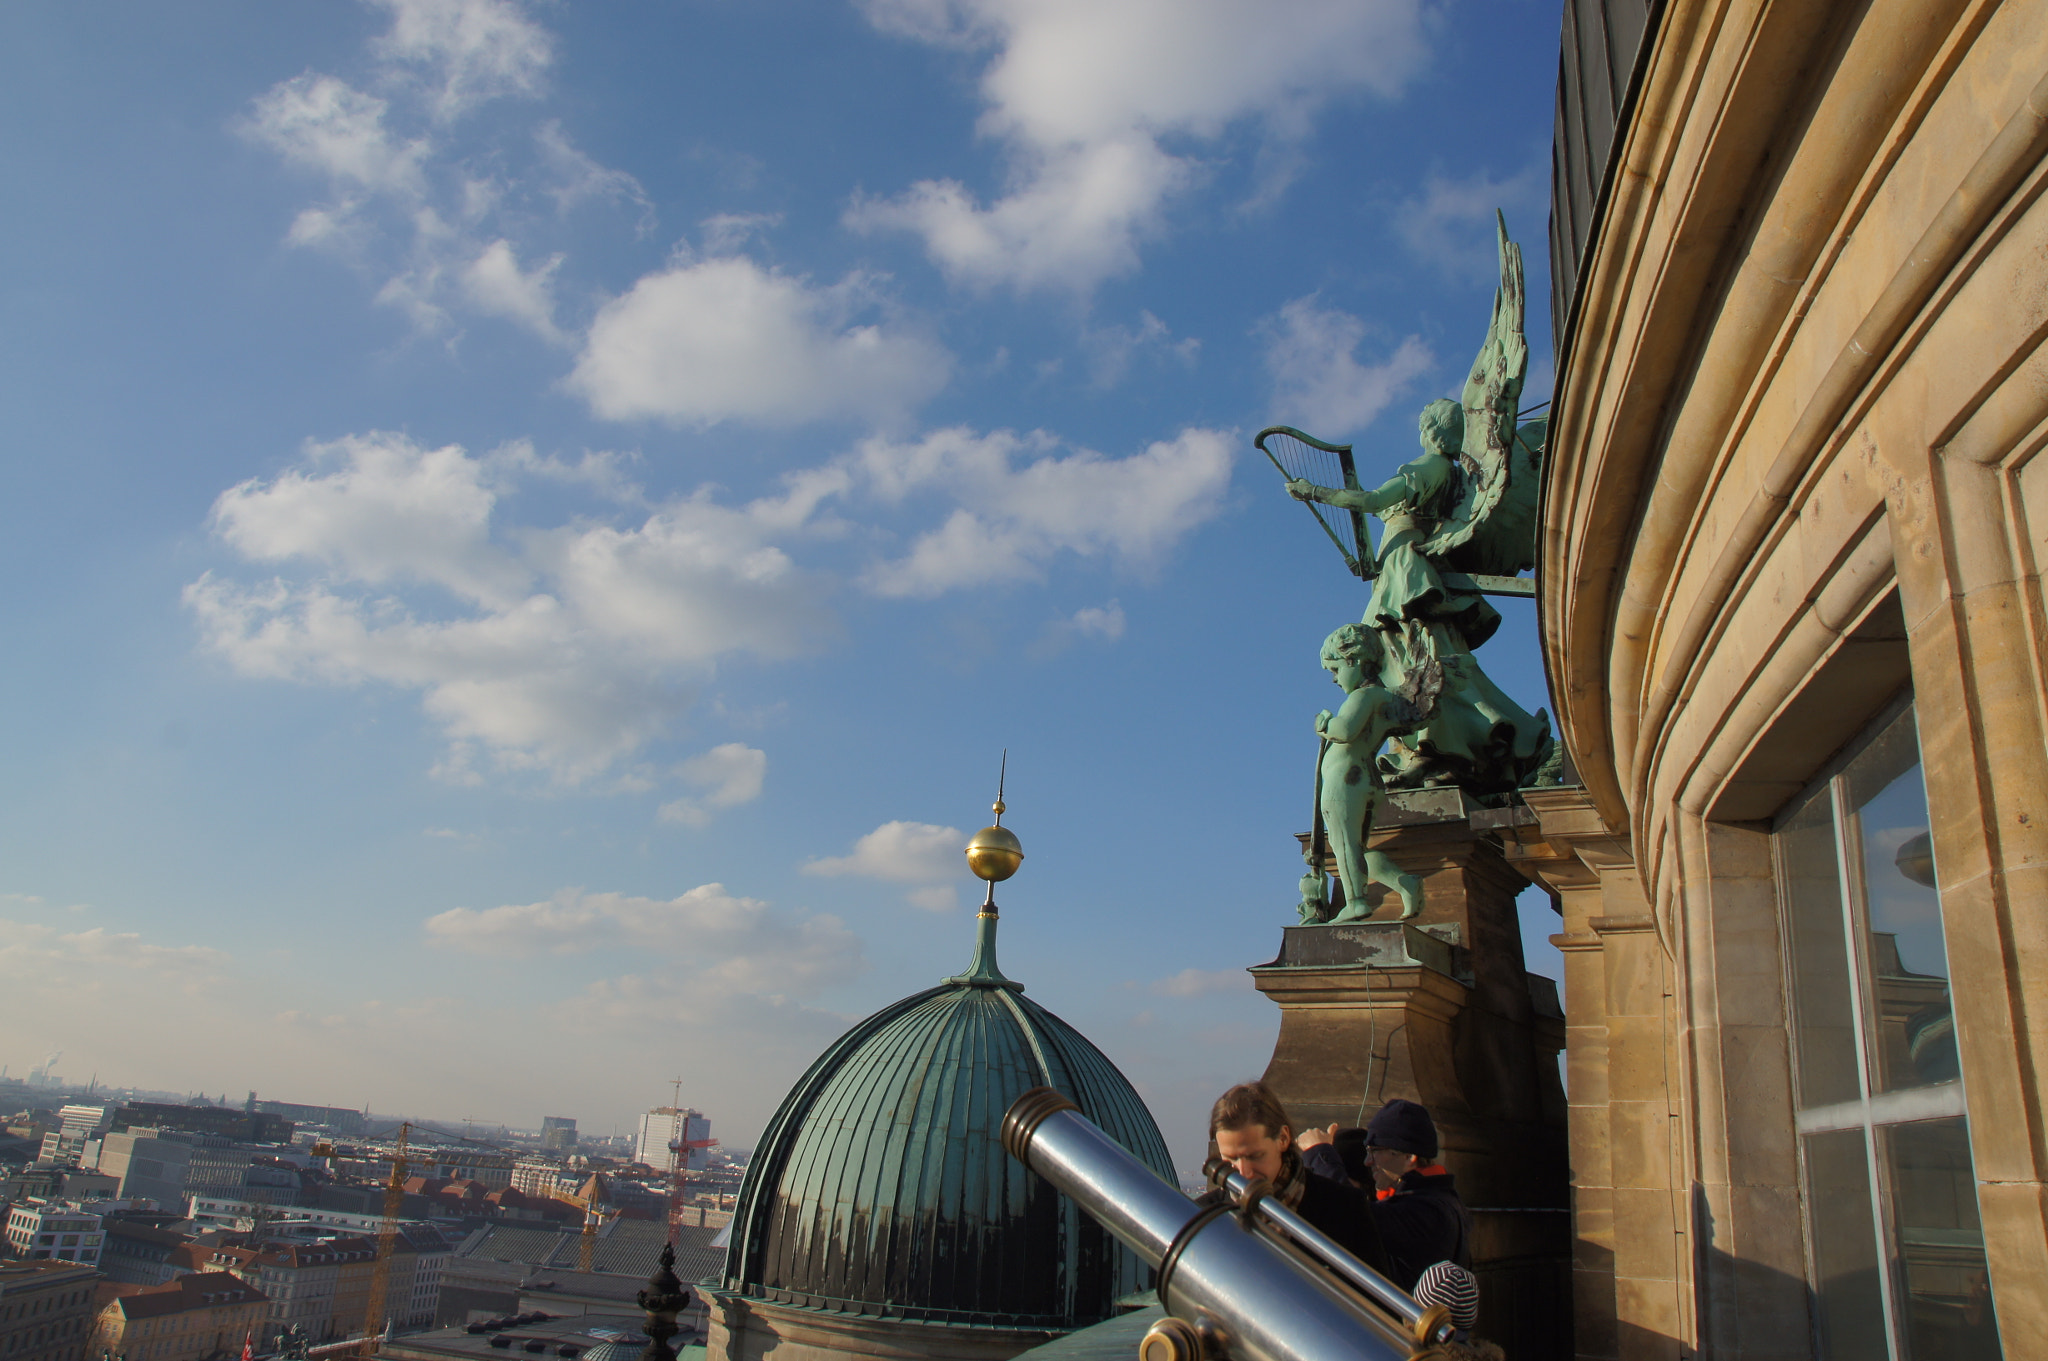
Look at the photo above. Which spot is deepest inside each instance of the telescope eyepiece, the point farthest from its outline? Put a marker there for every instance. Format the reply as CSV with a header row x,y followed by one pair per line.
x,y
1175,1339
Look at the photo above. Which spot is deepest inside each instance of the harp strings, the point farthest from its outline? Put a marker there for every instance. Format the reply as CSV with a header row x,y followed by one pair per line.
x,y
1325,468
1319,466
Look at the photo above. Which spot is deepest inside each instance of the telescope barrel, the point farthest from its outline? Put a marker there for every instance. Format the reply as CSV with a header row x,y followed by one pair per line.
x,y
1247,1297
1383,1291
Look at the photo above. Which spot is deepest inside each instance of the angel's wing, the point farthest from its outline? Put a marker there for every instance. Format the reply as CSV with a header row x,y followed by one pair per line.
x,y
1487,463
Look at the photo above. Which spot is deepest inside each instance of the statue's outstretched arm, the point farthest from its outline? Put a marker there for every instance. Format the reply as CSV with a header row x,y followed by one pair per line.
x,y
1391,492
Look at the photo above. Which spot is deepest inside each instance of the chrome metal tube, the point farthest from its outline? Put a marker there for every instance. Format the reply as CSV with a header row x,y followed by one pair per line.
x,y
1384,1292
1250,1299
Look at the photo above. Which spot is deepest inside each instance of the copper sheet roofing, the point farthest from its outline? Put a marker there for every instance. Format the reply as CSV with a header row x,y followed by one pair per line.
x,y
880,1187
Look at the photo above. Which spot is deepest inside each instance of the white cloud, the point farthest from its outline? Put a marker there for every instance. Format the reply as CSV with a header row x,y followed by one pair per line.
x,y
1099,621
573,177
1075,221
901,852
742,942
496,285
1094,621
725,233
724,339
1081,92
376,508
934,897
412,210
1010,519
469,50
1201,983
1451,223
1112,348
31,951
328,125
567,648
1318,383
731,773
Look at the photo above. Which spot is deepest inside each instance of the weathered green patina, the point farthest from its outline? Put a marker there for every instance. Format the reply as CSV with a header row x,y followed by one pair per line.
x,y
1458,523
881,1189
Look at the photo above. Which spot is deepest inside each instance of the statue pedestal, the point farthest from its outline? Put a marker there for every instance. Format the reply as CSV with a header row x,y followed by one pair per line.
x,y
1440,1010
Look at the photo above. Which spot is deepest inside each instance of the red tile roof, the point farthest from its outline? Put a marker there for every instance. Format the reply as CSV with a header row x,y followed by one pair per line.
x,y
200,1290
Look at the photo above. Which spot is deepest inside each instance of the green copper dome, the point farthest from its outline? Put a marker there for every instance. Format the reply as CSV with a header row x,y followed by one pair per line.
x,y
881,1187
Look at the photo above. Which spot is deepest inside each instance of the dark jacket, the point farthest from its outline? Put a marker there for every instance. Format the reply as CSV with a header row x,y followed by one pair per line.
x,y
1422,1223
1332,1205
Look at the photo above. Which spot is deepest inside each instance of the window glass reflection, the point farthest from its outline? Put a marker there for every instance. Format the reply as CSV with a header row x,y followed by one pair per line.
x,y
1940,1245
1811,882
1849,1304
1915,1039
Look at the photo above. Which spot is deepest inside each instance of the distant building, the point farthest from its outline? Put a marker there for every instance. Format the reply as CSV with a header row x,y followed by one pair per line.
x,y
77,1125
536,1176
612,1335
189,1319
32,1183
54,1232
661,1127
137,1253
170,1166
657,1129
353,1276
338,1119
149,1165
558,1132
512,1269
245,1216
301,1281
46,1310
458,1164
242,1126
80,1184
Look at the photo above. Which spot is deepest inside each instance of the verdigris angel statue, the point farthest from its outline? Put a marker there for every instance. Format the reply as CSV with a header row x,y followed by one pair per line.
x,y
1459,519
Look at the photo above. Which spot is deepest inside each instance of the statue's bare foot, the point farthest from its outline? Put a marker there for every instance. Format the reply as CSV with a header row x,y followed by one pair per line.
x,y
1354,911
1410,889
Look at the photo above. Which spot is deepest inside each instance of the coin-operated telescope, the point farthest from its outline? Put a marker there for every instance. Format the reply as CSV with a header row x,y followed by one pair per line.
x,y
1245,1279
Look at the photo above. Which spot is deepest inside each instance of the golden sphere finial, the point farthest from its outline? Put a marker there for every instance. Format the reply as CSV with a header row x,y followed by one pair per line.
x,y
994,853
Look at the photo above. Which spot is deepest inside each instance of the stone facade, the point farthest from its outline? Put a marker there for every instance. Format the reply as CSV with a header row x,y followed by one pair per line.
x,y
1440,1010
1792,489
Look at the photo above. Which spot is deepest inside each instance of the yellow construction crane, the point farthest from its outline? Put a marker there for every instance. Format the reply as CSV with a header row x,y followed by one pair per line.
x,y
387,1238
592,1200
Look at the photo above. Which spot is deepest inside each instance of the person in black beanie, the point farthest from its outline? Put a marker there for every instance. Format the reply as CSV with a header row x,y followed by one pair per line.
x,y
1418,1216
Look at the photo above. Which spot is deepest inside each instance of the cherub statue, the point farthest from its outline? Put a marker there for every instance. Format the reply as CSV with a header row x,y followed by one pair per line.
x,y
1348,781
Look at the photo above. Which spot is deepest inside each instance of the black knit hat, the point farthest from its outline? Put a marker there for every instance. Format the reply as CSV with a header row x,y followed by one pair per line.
x,y
1404,1126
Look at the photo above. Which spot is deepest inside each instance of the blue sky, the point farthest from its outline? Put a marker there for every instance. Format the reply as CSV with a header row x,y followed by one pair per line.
x,y
531,525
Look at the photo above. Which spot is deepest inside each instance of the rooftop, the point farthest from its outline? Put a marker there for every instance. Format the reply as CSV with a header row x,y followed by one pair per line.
x,y
580,1332
624,1247
208,1290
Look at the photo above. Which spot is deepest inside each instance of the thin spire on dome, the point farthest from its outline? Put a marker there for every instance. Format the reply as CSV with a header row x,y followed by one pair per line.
x,y
993,853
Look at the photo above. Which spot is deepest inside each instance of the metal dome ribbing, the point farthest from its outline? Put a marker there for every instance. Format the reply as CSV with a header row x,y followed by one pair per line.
x,y
881,1187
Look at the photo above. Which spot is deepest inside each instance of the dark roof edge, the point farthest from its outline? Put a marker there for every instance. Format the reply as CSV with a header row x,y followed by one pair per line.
x,y
1561,338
